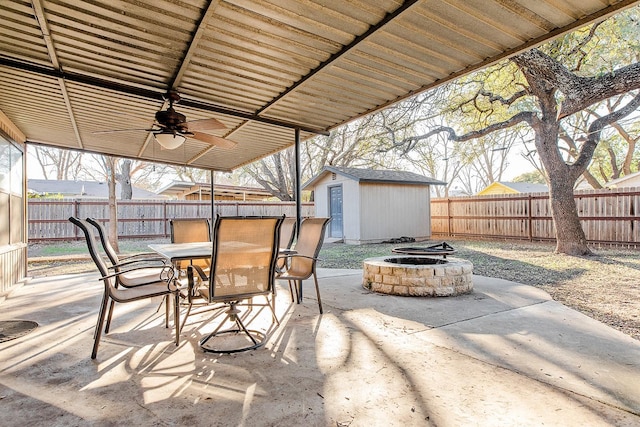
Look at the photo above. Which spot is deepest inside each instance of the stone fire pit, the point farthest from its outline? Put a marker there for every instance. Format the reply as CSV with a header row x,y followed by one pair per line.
x,y
417,276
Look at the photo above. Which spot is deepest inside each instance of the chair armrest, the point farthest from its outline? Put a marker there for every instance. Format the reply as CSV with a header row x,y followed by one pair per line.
x,y
300,256
191,284
152,256
166,273
198,269
158,261
139,254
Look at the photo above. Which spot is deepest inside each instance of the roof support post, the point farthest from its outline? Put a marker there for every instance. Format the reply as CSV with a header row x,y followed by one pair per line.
x,y
213,204
297,187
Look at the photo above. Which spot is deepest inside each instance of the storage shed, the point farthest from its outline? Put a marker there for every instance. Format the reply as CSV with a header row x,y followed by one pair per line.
x,y
372,206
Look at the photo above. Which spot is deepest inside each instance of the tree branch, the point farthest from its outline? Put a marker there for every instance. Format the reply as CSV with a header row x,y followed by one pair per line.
x,y
504,101
579,92
588,148
409,143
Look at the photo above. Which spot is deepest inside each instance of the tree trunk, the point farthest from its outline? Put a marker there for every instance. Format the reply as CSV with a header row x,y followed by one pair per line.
x,y
124,178
570,237
113,206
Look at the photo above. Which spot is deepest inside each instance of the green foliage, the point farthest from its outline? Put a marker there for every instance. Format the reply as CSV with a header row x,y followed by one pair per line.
x,y
533,177
601,47
44,196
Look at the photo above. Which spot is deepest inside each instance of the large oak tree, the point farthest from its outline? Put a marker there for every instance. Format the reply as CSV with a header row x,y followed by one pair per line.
x,y
541,89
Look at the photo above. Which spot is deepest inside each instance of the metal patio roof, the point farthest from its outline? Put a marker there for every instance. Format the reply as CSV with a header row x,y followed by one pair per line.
x,y
262,67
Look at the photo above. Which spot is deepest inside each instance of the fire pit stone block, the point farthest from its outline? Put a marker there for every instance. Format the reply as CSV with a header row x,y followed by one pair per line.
x,y
417,276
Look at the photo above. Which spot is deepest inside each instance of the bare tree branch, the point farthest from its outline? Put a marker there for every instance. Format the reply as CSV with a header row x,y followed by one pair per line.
x,y
410,142
504,101
596,127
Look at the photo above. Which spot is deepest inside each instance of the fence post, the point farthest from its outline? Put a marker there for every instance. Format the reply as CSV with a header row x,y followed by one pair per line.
x,y
164,217
76,213
530,219
449,216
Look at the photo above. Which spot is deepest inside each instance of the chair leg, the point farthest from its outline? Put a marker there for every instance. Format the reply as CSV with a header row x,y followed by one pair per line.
x,y
166,310
108,324
299,291
272,306
315,279
98,331
291,289
176,316
186,316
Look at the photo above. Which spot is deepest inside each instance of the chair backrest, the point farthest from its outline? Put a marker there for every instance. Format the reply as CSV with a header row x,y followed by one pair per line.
x,y
309,243
189,230
244,256
104,240
92,246
287,232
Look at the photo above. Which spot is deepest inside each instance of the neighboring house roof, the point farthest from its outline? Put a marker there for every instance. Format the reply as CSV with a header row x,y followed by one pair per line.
x,y
88,189
375,175
181,189
631,180
504,187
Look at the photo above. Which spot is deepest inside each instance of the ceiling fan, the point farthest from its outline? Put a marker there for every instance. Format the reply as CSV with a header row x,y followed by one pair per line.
x,y
171,128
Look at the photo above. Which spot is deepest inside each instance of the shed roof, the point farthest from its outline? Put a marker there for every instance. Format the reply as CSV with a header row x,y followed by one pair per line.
x,y
631,180
375,175
264,68
182,188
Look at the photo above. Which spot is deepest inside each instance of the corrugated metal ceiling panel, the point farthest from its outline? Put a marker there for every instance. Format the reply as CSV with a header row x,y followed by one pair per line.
x,y
71,68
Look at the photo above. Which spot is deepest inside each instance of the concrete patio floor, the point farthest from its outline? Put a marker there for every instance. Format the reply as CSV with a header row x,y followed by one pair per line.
x,y
503,355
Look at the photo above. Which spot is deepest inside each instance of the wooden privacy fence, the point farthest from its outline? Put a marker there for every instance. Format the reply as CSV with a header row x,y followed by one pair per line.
x,y
49,219
607,216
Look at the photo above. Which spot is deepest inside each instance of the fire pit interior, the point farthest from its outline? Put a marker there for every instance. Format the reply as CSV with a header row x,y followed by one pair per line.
x,y
415,260
417,276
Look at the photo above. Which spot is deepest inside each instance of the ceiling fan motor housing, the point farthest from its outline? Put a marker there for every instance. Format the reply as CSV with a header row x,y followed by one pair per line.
x,y
170,118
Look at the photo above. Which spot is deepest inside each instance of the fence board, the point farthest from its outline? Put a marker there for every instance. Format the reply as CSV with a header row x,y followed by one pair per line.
x,y
607,216
49,219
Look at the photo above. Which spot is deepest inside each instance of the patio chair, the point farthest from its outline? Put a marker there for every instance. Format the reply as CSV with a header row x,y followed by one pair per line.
x,y
287,235
134,270
243,264
148,264
301,265
190,230
163,286
287,232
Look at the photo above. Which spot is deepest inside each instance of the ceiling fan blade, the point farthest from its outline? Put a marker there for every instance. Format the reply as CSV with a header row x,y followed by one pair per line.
x,y
205,124
99,132
213,140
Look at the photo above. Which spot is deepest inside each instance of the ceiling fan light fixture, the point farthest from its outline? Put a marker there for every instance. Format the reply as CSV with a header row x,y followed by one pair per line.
x,y
169,140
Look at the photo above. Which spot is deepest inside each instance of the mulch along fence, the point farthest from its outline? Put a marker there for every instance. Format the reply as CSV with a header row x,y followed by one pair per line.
x,y
609,217
49,219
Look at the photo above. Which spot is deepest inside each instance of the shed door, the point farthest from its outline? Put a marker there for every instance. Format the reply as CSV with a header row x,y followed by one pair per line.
x,y
335,207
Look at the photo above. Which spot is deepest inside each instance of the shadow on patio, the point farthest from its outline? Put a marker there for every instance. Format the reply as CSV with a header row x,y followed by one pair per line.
x,y
505,354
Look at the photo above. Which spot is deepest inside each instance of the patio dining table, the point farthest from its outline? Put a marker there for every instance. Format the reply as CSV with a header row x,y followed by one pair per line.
x,y
175,252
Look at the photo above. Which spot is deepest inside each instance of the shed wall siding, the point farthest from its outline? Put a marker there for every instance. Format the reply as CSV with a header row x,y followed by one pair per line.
x,y
350,203
390,211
